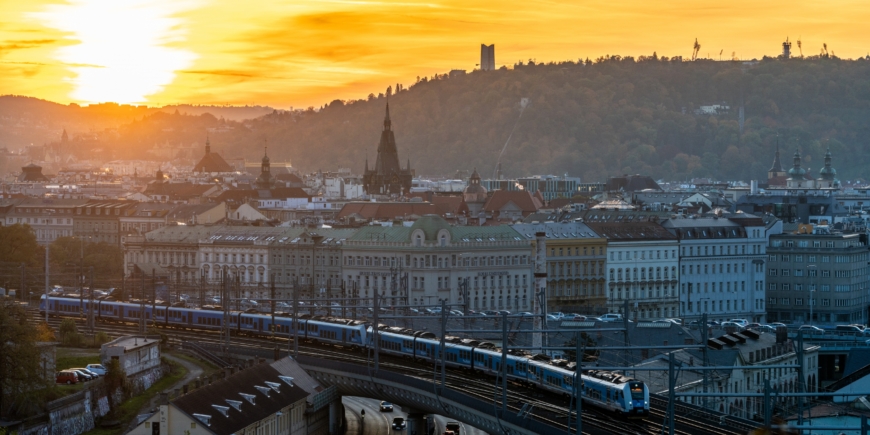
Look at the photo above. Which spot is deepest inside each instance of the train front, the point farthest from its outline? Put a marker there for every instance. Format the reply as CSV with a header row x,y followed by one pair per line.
x,y
639,405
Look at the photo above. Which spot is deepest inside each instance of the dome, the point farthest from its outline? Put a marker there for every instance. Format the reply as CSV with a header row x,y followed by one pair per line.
x,y
431,224
797,172
828,173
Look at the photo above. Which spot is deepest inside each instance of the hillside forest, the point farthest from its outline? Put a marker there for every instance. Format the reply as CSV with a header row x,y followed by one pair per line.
x,y
591,119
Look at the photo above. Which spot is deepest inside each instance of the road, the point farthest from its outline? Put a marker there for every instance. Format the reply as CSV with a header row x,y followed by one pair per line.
x,y
380,423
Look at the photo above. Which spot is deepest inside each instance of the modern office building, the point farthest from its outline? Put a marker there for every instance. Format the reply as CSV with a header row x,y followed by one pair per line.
x,y
817,275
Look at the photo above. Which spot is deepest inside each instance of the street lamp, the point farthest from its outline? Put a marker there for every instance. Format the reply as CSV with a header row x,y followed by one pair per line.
x,y
812,289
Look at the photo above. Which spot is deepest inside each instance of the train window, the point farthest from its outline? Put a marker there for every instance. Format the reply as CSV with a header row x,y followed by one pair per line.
x,y
636,390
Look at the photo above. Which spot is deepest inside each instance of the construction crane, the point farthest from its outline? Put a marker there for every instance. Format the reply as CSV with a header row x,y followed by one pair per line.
x,y
800,49
697,48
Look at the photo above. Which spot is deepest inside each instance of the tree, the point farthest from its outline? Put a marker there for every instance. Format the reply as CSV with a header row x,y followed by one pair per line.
x,y
22,384
106,259
19,244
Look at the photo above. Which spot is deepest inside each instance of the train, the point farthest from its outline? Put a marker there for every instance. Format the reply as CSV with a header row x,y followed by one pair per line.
x,y
607,390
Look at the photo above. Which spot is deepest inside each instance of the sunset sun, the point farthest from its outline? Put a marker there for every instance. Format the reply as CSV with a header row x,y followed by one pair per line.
x,y
120,50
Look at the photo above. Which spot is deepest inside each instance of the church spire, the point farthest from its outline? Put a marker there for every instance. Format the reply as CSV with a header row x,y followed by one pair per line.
x,y
777,164
207,145
387,122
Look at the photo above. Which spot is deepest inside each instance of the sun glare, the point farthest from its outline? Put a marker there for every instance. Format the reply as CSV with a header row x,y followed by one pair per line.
x,y
123,53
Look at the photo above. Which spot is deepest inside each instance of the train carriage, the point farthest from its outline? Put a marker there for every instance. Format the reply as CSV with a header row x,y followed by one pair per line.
x,y
606,390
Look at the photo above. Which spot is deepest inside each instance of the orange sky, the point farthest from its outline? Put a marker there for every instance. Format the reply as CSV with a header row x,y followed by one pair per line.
x,y
309,52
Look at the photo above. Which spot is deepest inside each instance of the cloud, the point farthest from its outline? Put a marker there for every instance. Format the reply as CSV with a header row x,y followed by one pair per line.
x,y
23,44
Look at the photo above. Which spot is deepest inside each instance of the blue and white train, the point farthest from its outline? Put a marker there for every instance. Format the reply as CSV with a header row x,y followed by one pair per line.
x,y
602,389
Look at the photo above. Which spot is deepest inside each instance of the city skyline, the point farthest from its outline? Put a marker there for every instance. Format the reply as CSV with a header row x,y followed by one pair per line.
x,y
309,53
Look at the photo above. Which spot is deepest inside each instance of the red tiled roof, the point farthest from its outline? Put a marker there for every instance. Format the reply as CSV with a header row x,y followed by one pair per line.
x,y
527,202
388,210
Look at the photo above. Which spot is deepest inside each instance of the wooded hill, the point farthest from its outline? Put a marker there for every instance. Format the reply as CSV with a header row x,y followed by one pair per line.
x,y
590,119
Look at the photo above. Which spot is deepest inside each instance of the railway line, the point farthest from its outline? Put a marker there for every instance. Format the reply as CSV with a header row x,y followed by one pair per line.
x,y
545,406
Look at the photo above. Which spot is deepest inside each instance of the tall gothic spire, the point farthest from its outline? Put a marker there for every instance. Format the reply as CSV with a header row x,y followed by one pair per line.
x,y
777,164
387,123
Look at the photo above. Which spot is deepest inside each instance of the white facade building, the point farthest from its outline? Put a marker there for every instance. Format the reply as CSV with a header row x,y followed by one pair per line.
x,y
721,266
642,268
429,261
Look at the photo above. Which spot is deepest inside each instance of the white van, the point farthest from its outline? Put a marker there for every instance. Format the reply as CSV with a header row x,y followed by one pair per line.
x,y
610,317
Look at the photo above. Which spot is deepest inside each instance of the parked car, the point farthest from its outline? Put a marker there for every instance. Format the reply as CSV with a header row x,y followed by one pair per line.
x,y
489,313
765,328
386,406
741,322
810,329
610,317
753,325
500,312
775,325
98,369
848,330
557,314
552,318
398,423
525,314
457,313
83,377
93,375
726,325
67,377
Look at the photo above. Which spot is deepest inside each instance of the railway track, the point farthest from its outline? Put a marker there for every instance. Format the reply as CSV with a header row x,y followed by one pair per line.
x,y
546,407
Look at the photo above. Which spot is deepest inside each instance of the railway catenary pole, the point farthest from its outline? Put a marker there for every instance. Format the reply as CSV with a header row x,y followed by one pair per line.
x,y
343,301
443,335
46,284
142,304
540,290
672,392
375,332
295,317
625,340
578,384
768,407
153,297
272,303
91,303
704,337
802,387
504,345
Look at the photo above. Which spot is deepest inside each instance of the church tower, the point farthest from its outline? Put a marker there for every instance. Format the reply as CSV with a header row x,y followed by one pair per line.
x,y
265,181
387,177
775,170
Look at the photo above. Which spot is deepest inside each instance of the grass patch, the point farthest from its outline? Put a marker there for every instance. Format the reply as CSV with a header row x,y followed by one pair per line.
x,y
207,367
76,357
130,409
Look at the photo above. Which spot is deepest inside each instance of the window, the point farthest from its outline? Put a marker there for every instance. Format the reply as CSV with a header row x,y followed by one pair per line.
x,y
785,272
785,301
772,272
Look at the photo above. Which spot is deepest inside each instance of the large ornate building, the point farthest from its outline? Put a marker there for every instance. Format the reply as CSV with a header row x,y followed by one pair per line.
x,y
212,162
387,178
